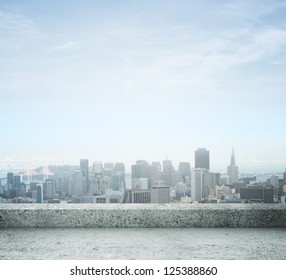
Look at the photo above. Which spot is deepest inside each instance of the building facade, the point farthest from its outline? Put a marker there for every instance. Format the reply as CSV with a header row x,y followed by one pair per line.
x,y
202,158
232,170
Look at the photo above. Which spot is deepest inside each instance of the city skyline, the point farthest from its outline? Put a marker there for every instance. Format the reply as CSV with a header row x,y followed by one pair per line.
x,y
127,80
148,183
222,167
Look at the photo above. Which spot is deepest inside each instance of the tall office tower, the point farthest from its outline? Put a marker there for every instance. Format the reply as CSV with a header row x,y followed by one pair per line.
x,y
140,170
155,172
10,179
202,158
166,163
197,184
209,183
232,170
119,167
156,165
77,185
64,185
274,182
22,191
218,179
39,193
169,176
109,165
185,170
84,168
108,169
135,172
143,168
116,182
284,177
93,185
17,181
50,188
97,168
99,186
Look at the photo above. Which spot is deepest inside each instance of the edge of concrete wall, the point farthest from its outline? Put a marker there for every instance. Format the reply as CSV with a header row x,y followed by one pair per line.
x,y
142,215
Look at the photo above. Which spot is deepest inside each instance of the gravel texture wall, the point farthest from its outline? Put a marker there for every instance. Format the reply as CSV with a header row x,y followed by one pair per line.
x,y
142,215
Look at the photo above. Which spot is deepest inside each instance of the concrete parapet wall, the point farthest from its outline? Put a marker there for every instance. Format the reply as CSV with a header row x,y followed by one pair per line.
x,y
142,215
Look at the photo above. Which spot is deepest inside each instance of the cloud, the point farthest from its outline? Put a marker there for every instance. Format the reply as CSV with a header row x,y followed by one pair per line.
x,y
20,25
67,46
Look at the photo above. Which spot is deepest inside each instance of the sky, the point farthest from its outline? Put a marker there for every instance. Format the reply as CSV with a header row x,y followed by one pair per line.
x,y
128,80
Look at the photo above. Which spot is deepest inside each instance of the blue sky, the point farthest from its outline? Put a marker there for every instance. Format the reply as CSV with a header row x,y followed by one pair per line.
x,y
127,80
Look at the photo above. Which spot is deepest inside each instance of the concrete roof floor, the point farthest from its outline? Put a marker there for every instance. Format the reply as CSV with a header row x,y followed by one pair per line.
x,y
143,243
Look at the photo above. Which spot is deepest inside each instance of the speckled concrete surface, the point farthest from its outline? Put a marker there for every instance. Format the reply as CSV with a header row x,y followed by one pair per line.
x,y
138,243
142,216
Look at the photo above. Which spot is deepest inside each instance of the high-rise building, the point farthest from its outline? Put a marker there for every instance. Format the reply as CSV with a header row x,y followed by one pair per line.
x,y
119,167
139,196
169,176
160,193
64,185
39,193
232,170
116,182
108,169
284,177
17,181
140,170
185,170
10,179
77,186
155,172
166,163
274,183
22,191
209,182
109,165
84,168
97,168
197,184
202,158
50,188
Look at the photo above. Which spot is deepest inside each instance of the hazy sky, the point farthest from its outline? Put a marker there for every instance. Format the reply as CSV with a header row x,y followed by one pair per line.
x,y
127,80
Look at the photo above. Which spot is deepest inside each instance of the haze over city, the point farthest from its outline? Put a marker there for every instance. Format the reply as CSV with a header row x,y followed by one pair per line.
x,y
128,80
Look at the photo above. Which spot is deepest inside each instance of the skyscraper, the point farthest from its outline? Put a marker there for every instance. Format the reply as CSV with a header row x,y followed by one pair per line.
x,y
97,168
39,193
50,188
17,181
10,179
169,176
140,170
185,170
77,186
116,182
166,163
202,158
197,184
232,170
119,167
85,174
155,172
